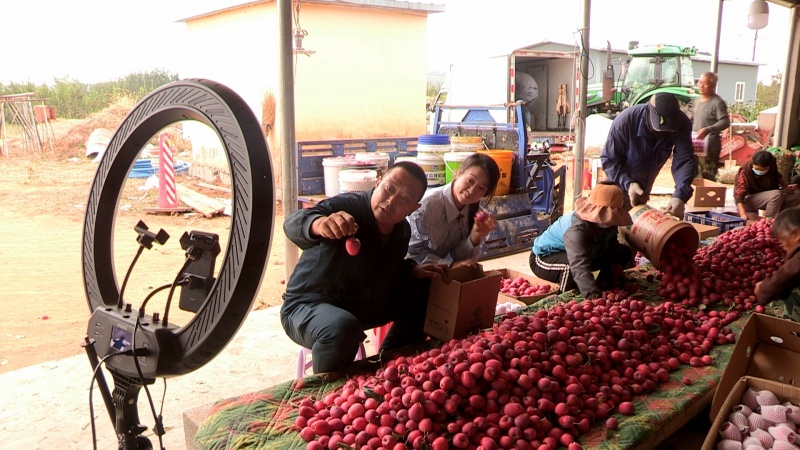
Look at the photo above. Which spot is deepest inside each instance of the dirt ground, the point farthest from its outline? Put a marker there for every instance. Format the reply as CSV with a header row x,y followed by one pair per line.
x,y
42,207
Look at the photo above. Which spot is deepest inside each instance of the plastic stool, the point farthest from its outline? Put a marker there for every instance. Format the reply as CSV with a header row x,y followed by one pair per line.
x,y
304,361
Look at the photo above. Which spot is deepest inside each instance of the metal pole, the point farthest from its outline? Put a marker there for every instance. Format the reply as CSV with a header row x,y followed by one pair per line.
x,y
285,118
780,135
715,56
580,126
755,41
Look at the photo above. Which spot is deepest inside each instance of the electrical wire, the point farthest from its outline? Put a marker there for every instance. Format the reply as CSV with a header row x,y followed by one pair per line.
x,y
158,418
120,302
297,14
582,51
91,388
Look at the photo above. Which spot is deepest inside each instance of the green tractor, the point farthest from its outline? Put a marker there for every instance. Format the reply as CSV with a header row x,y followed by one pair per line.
x,y
648,71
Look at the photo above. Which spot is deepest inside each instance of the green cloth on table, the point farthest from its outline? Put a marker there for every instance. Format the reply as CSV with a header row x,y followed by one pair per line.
x,y
265,419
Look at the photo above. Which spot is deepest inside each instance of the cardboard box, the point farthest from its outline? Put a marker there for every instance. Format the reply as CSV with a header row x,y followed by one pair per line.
x,y
464,306
706,231
783,391
768,347
533,280
707,193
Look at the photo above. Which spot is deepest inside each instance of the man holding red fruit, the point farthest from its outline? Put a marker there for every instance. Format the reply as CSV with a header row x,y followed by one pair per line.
x,y
340,288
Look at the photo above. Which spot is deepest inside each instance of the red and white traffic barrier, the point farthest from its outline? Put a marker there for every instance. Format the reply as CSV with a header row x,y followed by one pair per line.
x,y
167,191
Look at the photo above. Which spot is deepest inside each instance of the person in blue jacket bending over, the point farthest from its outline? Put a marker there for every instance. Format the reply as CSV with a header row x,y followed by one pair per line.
x,y
641,140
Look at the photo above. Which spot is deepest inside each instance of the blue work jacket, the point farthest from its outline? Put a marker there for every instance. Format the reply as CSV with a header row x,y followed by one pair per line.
x,y
631,154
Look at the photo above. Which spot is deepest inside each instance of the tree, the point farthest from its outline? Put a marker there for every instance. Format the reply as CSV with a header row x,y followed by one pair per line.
x,y
74,100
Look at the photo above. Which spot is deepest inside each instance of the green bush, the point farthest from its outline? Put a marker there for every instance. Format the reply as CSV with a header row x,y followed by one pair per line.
x,y
75,100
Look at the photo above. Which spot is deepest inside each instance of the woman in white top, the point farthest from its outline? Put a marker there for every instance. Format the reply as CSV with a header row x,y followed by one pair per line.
x,y
449,225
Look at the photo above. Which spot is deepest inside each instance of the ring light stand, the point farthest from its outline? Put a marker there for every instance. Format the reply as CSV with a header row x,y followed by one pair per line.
x,y
138,347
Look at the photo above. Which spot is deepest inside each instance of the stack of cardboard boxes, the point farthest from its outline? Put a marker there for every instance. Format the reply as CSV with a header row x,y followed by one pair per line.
x,y
766,356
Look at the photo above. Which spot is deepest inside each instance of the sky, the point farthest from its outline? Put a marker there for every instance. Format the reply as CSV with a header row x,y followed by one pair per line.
x,y
94,41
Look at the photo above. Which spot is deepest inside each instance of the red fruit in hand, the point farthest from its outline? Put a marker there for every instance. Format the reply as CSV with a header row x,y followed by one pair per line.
x,y
481,215
353,246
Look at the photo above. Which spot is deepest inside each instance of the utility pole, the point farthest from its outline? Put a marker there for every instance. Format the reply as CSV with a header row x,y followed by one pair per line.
x,y
715,57
580,126
755,40
286,125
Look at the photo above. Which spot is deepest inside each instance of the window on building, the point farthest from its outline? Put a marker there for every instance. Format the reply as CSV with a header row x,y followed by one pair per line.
x,y
739,95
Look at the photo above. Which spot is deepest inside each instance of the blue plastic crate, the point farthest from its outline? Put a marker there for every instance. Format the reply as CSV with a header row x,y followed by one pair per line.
x,y
512,235
725,222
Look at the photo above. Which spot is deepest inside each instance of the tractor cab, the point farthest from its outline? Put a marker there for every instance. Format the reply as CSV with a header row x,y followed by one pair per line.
x,y
647,71
661,68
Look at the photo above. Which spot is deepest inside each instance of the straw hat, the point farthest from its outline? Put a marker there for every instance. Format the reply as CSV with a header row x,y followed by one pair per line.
x,y
603,206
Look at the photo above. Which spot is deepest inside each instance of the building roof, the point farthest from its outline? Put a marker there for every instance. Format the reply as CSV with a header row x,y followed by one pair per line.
x,y
707,57
395,5
704,56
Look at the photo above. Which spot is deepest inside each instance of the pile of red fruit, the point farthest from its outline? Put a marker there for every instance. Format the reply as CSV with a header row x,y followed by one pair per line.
x,y
725,271
532,382
539,381
520,287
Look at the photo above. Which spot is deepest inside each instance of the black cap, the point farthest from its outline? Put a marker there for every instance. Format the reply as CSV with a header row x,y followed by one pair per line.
x,y
664,113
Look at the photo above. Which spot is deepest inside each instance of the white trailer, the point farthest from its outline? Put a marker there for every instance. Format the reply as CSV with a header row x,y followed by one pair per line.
x,y
494,81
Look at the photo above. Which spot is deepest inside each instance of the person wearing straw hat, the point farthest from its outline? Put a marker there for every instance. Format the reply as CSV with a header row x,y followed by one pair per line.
x,y
584,241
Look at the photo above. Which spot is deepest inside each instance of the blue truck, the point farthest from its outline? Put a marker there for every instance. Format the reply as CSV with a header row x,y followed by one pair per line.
x,y
537,190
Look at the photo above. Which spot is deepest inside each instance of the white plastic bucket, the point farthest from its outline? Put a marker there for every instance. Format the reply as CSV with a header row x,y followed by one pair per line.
x,y
433,166
379,159
357,180
331,167
412,159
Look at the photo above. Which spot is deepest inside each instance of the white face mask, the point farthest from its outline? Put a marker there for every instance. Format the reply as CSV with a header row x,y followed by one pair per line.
x,y
759,172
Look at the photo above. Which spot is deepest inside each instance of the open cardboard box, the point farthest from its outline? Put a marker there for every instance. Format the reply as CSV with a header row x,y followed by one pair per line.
x,y
533,280
705,231
707,193
769,348
465,305
783,391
